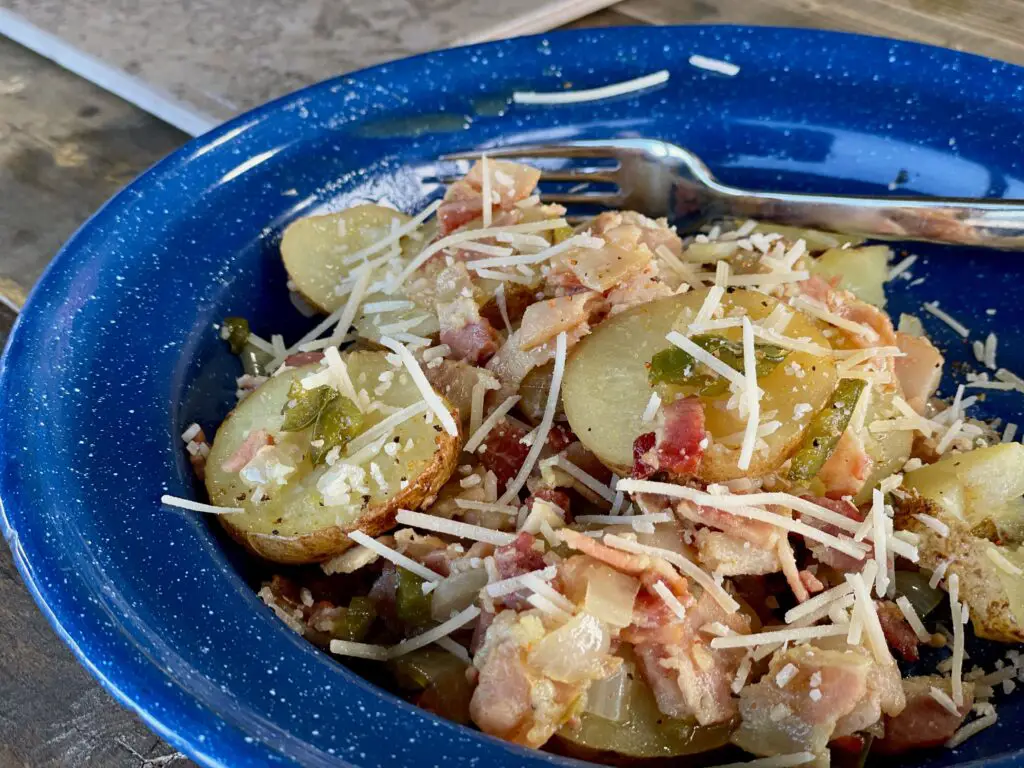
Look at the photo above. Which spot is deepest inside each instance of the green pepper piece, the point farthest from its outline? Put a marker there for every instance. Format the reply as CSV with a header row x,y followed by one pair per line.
x,y
305,405
411,605
235,331
438,680
254,361
676,366
336,425
355,623
824,431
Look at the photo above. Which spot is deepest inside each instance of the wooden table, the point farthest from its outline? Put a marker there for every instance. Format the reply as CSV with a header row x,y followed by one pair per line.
x,y
66,146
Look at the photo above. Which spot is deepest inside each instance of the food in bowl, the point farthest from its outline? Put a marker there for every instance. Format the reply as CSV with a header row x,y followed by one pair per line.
x,y
622,494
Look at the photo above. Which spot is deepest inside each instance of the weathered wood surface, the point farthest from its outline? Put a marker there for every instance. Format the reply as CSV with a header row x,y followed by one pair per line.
x,y
989,27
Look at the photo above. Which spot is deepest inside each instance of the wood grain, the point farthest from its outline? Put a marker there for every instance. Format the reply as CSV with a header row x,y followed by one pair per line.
x,y
987,27
65,147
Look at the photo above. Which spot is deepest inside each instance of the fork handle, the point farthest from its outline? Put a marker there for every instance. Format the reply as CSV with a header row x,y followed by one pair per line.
x,y
956,221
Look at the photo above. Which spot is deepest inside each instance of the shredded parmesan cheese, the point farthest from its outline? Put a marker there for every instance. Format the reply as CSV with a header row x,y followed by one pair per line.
x,y
752,394
936,525
393,555
688,568
907,608
488,424
459,620
453,528
932,308
726,68
943,698
197,506
429,395
516,484
670,600
591,94
652,408
787,635
359,650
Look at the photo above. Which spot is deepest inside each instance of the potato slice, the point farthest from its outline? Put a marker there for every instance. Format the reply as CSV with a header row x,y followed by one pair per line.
x,y
982,488
314,248
889,451
642,733
605,389
293,525
861,271
994,594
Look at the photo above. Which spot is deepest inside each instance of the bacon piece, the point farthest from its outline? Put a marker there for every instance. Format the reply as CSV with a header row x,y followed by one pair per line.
x,y
644,456
257,439
303,358
823,553
923,722
651,232
649,569
898,633
764,535
475,342
504,451
681,437
544,320
849,307
919,370
847,469
463,201
518,558
688,677
778,720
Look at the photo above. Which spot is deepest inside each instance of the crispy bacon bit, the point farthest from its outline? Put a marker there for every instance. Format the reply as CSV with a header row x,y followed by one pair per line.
x,y
484,621
848,306
518,558
303,358
561,437
898,633
919,370
924,722
257,439
504,452
644,457
764,535
681,437
652,232
475,342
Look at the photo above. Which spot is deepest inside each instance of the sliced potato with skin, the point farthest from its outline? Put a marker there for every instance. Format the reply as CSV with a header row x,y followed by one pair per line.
x,y
605,390
292,525
861,271
314,249
889,451
982,487
994,594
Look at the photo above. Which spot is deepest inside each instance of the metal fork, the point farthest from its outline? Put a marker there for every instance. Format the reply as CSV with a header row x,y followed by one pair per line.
x,y
662,179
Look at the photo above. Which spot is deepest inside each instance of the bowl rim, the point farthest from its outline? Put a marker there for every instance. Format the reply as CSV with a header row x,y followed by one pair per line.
x,y
231,741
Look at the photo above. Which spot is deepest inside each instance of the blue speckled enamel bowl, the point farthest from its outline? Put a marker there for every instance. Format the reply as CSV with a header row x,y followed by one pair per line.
x,y
115,351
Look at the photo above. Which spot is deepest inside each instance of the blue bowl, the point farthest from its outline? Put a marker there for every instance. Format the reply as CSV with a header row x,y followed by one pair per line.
x,y
115,352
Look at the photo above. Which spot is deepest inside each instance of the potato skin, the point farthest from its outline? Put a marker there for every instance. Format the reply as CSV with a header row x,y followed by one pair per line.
x,y
378,518
292,525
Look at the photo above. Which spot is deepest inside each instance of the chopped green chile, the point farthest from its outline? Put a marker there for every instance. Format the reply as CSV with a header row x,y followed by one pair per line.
x,y
824,431
235,331
914,585
438,680
305,406
411,605
355,623
337,424
674,366
254,361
